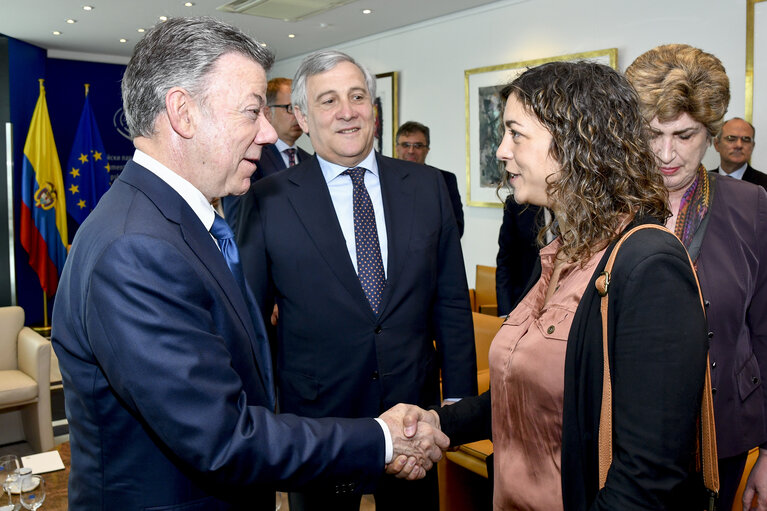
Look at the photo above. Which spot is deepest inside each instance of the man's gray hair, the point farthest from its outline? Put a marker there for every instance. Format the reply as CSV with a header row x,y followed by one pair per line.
x,y
179,53
320,62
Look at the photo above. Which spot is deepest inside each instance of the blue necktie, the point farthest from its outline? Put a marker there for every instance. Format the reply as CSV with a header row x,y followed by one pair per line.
x,y
223,233
370,268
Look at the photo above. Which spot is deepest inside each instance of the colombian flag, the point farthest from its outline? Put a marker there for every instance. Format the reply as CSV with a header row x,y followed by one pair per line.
x,y
43,207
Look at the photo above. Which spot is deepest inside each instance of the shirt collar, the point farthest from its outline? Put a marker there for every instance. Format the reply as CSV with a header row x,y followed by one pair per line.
x,y
281,146
184,188
737,174
331,171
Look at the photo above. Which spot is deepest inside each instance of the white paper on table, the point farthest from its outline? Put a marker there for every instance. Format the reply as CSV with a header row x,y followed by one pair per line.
x,y
44,462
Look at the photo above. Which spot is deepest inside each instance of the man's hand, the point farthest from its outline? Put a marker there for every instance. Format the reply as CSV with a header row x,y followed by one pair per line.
x,y
418,442
755,494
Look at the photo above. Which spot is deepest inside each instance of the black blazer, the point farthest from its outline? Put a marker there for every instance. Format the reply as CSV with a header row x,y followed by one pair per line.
x,y
455,198
270,163
754,176
336,357
657,355
517,253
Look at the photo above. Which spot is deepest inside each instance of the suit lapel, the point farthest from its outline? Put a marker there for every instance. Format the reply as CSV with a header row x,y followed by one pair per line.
x,y
311,201
399,204
200,242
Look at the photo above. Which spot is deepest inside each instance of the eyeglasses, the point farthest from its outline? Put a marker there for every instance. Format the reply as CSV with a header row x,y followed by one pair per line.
x,y
731,139
288,108
417,146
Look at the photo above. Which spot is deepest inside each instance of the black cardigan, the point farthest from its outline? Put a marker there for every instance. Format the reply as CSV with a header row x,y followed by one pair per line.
x,y
658,349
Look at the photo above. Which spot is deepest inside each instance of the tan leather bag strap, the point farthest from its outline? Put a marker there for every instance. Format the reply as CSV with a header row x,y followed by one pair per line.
x,y
707,446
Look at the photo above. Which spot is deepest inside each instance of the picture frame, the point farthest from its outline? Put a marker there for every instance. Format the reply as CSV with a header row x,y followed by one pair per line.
x,y
484,116
386,112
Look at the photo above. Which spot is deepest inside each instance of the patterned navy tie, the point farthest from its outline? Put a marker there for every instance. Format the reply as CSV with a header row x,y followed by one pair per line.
x,y
291,156
369,263
223,233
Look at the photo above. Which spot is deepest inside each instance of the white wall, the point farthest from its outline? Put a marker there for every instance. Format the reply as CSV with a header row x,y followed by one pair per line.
x,y
431,58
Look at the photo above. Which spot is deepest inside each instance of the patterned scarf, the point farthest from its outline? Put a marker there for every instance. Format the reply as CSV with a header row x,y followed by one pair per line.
x,y
693,207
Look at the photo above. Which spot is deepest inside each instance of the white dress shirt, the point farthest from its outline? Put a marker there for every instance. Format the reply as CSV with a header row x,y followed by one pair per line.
x,y
737,174
341,193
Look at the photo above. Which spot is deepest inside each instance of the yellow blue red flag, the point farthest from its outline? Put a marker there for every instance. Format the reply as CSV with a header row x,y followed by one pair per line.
x,y
87,174
43,222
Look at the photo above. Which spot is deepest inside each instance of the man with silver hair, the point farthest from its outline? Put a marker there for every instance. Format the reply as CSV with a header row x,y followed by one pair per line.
x,y
361,254
166,368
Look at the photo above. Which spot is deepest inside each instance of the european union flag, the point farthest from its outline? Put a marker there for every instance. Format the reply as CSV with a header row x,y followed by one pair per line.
x,y
87,176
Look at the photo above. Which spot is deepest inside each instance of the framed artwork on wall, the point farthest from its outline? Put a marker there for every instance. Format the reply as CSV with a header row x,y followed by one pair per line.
x,y
484,116
386,112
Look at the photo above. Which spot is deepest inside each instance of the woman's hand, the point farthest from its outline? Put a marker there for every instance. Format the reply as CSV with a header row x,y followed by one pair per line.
x,y
755,494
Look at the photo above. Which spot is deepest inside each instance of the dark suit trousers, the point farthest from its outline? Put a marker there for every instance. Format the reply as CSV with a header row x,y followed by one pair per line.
x,y
392,495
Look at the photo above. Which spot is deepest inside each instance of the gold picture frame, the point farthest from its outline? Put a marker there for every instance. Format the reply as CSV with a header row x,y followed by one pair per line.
x,y
484,111
387,112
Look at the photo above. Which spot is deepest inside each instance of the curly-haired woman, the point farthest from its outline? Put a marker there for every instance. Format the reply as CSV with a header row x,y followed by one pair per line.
x,y
684,93
575,141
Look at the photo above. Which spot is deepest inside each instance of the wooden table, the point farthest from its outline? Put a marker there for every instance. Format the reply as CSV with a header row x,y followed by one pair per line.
x,y
56,483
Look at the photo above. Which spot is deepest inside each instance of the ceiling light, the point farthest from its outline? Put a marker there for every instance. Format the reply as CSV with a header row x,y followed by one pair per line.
x,y
263,44
163,18
367,11
189,4
140,30
71,21
87,7
56,32
292,36
123,40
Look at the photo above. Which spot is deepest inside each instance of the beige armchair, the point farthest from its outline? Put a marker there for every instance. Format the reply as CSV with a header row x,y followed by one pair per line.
x,y
25,365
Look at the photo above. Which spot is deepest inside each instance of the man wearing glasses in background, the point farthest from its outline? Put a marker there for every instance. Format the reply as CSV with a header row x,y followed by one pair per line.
x,y
735,143
413,145
278,156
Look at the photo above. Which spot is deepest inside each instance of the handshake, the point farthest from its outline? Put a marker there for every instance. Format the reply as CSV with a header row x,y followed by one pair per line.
x,y
417,440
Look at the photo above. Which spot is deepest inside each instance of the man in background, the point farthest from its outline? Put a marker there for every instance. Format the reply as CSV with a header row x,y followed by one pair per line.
x,y
413,145
362,256
735,143
165,363
283,153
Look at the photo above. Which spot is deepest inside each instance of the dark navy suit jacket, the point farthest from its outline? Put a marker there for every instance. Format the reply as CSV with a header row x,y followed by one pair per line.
x,y
166,389
336,357
270,163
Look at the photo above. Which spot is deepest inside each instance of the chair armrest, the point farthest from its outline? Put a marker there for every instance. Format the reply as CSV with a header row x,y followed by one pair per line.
x,y
489,309
34,355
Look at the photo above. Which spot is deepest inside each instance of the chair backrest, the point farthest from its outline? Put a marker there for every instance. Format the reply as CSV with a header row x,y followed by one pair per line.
x,y
484,286
485,328
11,323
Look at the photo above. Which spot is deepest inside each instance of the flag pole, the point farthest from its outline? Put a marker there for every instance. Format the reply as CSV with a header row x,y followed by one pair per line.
x,y
45,310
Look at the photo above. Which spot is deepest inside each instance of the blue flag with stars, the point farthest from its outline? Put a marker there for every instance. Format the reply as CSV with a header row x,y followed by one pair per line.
x,y
87,175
